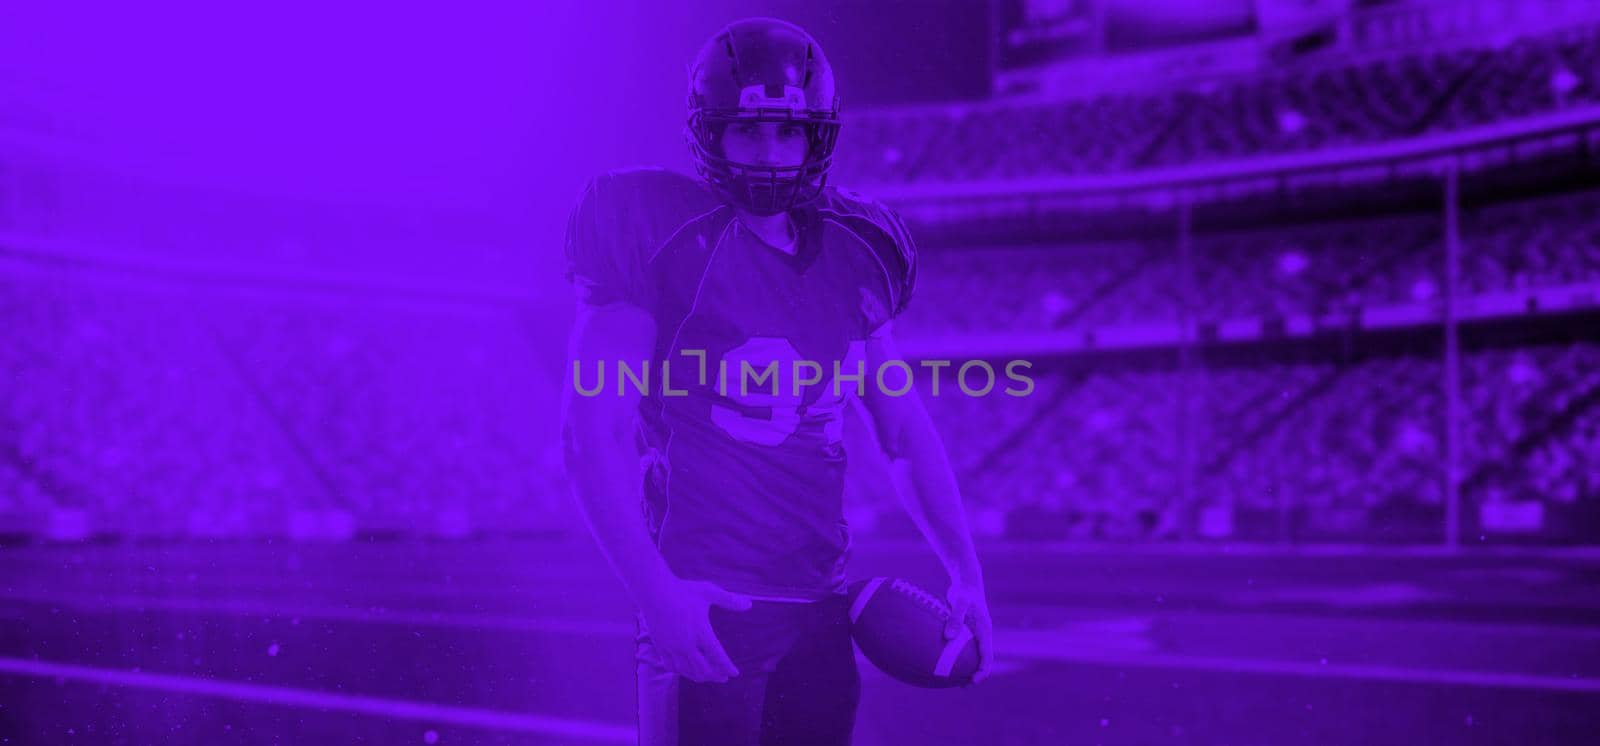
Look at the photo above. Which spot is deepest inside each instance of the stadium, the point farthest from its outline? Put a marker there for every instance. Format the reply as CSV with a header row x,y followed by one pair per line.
x,y
1310,295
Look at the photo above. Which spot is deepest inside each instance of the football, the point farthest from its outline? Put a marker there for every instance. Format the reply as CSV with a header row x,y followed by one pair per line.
x,y
900,629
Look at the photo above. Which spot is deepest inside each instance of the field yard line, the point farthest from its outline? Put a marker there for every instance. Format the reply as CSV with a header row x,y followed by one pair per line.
x,y
425,712
1042,650
364,615
1081,646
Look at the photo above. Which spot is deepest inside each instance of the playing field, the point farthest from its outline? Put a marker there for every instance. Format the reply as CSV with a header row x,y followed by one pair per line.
x,y
529,642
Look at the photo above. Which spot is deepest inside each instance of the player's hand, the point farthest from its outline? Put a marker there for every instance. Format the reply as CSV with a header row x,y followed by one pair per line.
x,y
678,618
970,607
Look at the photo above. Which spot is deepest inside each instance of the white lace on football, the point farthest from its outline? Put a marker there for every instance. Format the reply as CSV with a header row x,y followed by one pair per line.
x,y
924,598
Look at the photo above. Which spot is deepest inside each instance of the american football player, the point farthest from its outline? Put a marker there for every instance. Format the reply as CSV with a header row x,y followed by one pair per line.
x,y
737,567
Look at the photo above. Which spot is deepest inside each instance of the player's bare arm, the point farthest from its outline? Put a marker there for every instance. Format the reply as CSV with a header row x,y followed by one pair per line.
x,y
908,438
597,433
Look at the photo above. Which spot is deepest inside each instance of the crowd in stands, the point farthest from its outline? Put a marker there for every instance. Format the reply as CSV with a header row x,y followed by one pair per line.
x,y
1297,109
1348,449
165,414
111,405
1538,406
1310,269
159,413
157,410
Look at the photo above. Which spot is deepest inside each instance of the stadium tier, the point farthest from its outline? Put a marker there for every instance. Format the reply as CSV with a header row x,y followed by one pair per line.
x,y
1269,271
1332,449
146,401
158,412
171,415
1300,109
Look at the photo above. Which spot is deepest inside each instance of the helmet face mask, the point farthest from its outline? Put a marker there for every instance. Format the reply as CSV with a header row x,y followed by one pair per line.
x,y
761,189
762,70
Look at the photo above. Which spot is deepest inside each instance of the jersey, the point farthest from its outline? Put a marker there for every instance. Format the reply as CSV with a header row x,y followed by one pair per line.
x,y
742,449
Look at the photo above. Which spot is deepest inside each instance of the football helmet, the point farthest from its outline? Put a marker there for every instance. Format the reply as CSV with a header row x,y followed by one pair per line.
x,y
762,70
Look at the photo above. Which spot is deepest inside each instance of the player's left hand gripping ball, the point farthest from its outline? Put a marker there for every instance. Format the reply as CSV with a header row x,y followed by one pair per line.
x,y
970,616
902,630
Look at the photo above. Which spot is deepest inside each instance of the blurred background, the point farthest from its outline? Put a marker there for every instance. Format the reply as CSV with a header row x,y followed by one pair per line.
x,y
1311,290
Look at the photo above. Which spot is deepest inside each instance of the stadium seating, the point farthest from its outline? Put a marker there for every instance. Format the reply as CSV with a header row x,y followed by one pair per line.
x,y
165,414
1298,109
1351,450
175,415
1263,272
152,408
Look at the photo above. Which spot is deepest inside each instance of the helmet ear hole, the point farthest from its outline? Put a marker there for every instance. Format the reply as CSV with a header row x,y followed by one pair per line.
x,y
714,137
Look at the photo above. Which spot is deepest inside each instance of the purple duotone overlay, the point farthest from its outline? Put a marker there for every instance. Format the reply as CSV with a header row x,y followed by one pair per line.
x,y
1310,294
